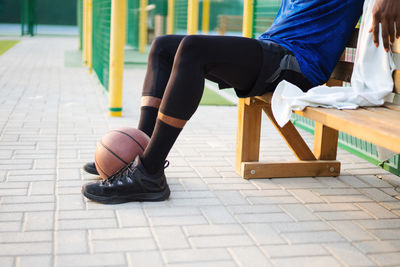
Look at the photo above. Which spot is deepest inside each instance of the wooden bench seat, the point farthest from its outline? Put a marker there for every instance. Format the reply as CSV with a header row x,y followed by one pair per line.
x,y
378,125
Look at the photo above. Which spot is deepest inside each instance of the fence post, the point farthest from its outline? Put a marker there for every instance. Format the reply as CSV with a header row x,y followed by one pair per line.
x,y
89,24
171,17
205,25
117,43
193,16
22,17
84,29
248,18
143,26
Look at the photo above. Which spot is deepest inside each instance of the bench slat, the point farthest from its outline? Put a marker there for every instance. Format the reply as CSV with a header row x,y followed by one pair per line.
x,y
343,71
378,114
352,43
392,106
361,127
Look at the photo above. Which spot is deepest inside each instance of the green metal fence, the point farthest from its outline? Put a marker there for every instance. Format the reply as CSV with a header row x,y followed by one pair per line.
x,y
264,14
180,16
79,18
101,39
220,8
354,145
132,27
28,17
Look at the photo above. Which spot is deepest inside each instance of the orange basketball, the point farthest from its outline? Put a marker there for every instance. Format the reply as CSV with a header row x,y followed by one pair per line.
x,y
117,149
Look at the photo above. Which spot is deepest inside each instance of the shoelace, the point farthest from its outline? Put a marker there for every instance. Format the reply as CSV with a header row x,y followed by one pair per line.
x,y
122,172
126,170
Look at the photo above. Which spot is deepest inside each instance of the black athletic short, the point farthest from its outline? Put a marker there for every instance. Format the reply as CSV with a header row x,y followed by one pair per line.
x,y
278,64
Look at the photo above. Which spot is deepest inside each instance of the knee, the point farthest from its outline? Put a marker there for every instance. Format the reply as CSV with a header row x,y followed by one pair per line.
x,y
160,45
191,48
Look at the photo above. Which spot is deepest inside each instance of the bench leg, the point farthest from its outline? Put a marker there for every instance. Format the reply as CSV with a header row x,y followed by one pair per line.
x,y
325,142
292,137
248,134
312,168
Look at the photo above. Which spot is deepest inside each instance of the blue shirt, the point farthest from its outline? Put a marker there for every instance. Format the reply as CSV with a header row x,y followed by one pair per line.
x,y
316,31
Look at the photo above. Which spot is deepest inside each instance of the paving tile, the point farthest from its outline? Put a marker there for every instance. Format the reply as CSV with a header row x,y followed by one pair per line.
x,y
347,198
353,181
206,264
72,242
131,218
299,213
377,210
220,241
264,234
283,251
380,224
231,198
326,261
313,237
301,227
96,259
25,237
349,255
243,209
196,255
218,215
387,259
374,246
29,261
86,224
170,237
377,194
171,211
306,196
373,181
249,256
145,259
34,248
120,233
343,215
351,231
49,199
264,218
272,200
70,202
37,221
209,230
42,188
387,234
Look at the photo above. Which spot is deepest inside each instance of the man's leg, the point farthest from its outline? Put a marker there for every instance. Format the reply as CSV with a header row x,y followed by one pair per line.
x,y
234,60
161,59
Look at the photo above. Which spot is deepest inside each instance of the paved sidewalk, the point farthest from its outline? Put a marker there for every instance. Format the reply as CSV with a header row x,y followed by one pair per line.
x,y
51,118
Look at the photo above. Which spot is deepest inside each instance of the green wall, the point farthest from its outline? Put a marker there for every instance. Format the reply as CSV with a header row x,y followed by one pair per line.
x,y
54,12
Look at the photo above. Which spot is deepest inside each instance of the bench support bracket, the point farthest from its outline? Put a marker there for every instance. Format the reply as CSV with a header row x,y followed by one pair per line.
x,y
321,162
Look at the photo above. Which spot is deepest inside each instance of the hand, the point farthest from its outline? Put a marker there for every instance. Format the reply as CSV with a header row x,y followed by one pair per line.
x,y
387,13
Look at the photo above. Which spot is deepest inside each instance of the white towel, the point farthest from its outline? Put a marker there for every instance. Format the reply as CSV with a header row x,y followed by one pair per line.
x,y
371,81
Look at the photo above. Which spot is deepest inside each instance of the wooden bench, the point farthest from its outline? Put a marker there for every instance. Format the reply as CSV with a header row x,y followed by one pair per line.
x,y
378,125
227,23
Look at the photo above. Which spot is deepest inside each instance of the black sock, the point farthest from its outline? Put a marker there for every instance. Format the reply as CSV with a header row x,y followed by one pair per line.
x,y
160,144
148,116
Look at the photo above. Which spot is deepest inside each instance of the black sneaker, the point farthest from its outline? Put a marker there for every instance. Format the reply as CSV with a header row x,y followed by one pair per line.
x,y
132,183
90,167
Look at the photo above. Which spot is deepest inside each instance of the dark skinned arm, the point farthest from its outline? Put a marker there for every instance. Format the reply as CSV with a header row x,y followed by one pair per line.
x,y
387,13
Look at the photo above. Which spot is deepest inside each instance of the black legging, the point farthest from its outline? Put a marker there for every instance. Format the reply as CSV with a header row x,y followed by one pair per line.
x,y
179,64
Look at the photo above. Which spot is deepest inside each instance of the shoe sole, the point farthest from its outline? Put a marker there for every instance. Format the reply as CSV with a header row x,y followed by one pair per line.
x,y
90,170
151,197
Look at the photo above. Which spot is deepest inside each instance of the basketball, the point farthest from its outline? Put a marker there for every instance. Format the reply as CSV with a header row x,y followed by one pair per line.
x,y
117,149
